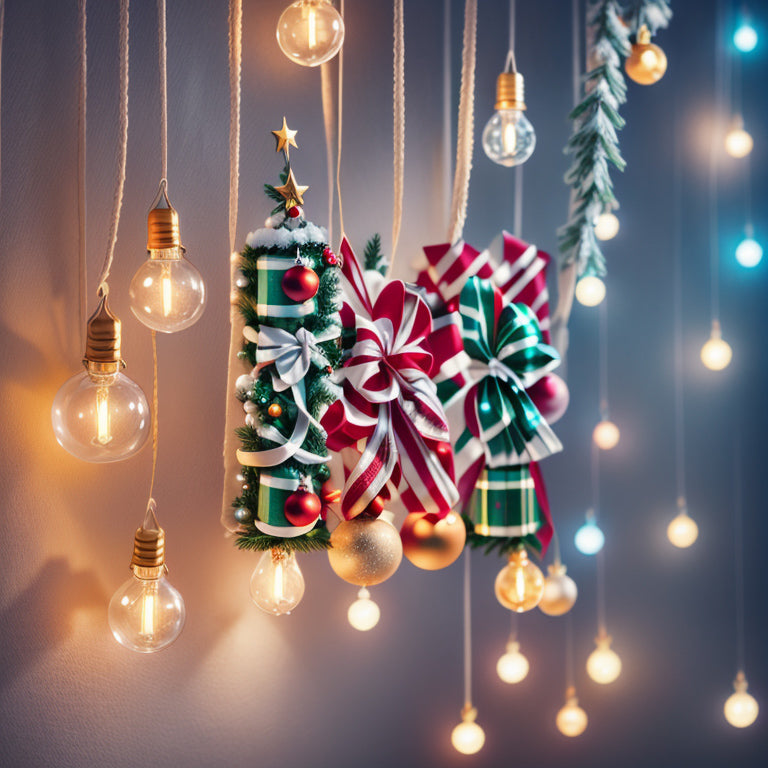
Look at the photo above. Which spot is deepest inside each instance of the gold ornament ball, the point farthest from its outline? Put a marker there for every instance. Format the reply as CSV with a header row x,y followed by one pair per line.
x,y
431,543
682,531
275,410
647,63
365,551
606,435
571,719
560,591
519,585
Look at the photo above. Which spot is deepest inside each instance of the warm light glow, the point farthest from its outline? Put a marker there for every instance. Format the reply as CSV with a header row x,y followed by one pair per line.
x,y
749,252
682,531
102,416
607,226
312,27
512,667
277,584
468,737
148,612
738,143
510,138
603,664
571,719
745,37
741,708
589,538
363,614
310,32
716,353
167,295
590,291
520,584
606,435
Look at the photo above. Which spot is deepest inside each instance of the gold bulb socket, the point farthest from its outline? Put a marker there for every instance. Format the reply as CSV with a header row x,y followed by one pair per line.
x,y
163,223
643,35
510,90
102,345
148,548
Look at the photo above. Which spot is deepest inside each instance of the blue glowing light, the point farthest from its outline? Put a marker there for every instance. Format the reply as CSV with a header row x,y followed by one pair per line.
x,y
589,538
485,406
745,37
749,252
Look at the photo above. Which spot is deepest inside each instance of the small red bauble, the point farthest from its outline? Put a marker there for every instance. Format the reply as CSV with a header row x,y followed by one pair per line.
x,y
550,395
329,257
300,283
302,507
376,507
294,212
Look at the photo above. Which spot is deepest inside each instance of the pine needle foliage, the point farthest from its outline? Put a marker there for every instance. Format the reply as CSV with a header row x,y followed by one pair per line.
x,y
373,257
654,14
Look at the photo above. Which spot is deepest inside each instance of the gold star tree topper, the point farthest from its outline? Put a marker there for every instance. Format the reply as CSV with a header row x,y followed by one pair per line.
x,y
285,139
291,191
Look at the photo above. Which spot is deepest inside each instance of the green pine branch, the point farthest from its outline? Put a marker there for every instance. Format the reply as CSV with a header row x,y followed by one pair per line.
x,y
373,256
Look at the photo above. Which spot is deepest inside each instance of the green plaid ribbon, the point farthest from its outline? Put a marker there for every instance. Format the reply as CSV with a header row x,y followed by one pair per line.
x,y
504,503
273,307
276,484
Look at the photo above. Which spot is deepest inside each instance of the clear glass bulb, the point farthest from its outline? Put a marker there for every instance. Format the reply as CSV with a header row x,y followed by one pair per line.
x,y
603,664
520,584
749,252
100,415
716,353
277,584
363,614
167,292
589,538
607,226
590,290
509,138
606,435
682,531
310,32
468,737
741,708
571,719
512,667
560,591
146,613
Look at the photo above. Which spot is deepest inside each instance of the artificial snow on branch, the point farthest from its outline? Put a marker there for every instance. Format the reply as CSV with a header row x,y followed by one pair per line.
x,y
654,14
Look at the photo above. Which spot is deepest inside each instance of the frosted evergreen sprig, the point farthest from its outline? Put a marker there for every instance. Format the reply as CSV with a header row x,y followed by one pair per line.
x,y
654,14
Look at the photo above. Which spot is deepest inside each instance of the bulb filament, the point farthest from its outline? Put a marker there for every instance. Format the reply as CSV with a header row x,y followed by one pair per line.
x,y
103,435
167,291
278,585
312,21
148,609
510,138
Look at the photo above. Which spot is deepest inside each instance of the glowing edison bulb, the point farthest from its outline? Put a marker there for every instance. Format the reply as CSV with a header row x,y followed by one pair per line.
x,y
363,614
738,142
101,415
589,538
590,290
277,584
745,37
468,737
682,531
716,353
508,137
607,226
606,435
310,32
520,584
603,664
571,719
749,252
512,667
741,708
167,293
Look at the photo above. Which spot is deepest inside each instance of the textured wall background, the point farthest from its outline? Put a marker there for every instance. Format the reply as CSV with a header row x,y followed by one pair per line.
x,y
240,688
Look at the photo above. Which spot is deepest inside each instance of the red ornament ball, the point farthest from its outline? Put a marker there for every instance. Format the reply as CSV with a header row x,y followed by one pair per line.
x,y
294,212
550,395
329,257
302,507
376,507
300,283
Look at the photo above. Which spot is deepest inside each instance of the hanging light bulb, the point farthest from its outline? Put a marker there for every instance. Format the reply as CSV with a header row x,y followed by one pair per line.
x,y
646,63
749,252
363,614
508,137
468,737
589,538
167,293
738,142
745,37
512,667
590,290
571,719
607,226
603,664
682,531
100,414
606,435
310,32
147,613
741,708
277,584
520,584
560,591
716,353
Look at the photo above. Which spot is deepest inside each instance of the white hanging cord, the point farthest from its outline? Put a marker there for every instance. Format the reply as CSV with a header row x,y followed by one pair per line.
x,y
594,466
467,631
82,211
326,94
738,537
714,249
163,62
514,627
2,25
117,202
447,90
600,598
398,98
512,25
603,358
465,132
569,676
518,210
339,128
155,427
235,70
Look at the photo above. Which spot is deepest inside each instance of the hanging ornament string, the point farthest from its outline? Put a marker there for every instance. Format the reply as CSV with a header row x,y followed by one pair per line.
x,y
714,249
465,131
339,129
600,597
570,679
738,538
117,202
518,204
155,427
603,358
2,24
447,90
326,94
82,210
398,112
236,322
163,66
467,631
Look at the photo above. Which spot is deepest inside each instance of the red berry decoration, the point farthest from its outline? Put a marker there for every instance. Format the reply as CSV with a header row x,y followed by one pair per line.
x,y
300,283
294,212
302,507
329,257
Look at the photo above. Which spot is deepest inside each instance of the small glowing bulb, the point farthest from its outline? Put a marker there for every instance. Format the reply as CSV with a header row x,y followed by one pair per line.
x,y
606,435
468,737
102,416
571,719
603,664
520,584
167,291
682,531
590,290
745,37
749,252
277,584
509,138
363,614
512,667
738,142
310,32
716,353
741,708
589,538
607,226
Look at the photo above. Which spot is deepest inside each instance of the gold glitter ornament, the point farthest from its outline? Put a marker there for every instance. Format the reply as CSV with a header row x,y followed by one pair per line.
x,y
365,551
